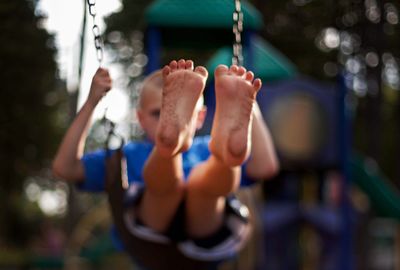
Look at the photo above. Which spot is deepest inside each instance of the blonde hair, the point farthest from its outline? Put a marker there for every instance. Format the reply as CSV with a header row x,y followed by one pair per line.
x,y
153,81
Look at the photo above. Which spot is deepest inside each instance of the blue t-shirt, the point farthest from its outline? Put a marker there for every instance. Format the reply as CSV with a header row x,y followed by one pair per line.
x,y
136,154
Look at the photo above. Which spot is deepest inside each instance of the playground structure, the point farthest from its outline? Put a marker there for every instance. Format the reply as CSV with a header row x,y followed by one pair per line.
x,y
306,200
314,163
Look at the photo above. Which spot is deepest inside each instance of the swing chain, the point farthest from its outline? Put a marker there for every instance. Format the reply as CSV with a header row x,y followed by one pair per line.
x,y
98,42
237,58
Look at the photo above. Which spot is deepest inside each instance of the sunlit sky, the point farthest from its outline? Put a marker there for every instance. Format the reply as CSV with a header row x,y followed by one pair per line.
x,y
64,20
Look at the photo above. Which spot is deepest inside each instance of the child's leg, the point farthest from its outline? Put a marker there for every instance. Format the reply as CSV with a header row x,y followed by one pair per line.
x,y
213,180
163,170
208,185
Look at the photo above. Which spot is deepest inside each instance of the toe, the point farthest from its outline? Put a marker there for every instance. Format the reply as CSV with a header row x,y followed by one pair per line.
x,y
249,76
241,71
234,69
189,65
257,84
165,71
173,65
221,70
181,64
202,71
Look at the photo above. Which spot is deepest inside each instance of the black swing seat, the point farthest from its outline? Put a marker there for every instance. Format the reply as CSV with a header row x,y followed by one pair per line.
x,y
155,251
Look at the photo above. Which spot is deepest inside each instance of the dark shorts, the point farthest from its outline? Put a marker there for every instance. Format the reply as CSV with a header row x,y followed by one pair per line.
x,y
223,244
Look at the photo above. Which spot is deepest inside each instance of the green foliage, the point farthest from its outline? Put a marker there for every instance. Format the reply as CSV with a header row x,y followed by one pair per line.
x,y
30,123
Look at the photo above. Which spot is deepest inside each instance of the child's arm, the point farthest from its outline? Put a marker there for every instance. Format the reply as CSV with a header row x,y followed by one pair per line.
x,y
67,164
263,162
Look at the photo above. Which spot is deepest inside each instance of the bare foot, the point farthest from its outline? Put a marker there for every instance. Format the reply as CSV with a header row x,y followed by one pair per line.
x,y
235,94
182,89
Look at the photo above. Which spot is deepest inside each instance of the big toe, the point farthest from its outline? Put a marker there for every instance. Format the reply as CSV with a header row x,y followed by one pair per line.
x,y
221,70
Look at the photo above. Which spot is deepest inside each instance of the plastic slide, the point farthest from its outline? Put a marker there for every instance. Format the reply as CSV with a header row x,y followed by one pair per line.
x,y
385,198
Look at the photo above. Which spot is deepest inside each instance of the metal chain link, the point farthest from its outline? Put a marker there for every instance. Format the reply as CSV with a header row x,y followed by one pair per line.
x,y
98,42
237,58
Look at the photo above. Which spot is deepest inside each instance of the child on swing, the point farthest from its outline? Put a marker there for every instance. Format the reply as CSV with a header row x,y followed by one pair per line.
x,y
186,179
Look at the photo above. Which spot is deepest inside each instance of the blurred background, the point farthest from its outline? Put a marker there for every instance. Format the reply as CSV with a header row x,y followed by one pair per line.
x,y
331,81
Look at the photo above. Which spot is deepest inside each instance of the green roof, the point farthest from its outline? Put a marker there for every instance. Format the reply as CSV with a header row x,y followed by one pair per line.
x,y
200,13
268,63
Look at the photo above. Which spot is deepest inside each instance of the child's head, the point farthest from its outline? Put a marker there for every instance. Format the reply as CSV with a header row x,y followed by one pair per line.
x,y
149,105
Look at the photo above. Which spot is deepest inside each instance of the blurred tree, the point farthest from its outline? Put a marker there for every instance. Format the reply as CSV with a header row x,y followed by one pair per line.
x,y
124,34
124,40
362,38
30,120
129,18
294,26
